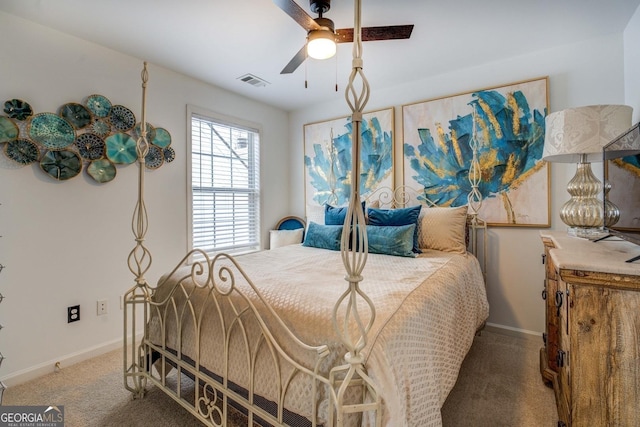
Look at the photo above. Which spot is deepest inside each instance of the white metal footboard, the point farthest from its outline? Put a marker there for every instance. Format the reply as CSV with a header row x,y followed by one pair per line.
x,y
205,301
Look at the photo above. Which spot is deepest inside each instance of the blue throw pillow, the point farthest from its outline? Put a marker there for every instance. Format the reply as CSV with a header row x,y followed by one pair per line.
x,y
391,240
336,216
396,217
323,236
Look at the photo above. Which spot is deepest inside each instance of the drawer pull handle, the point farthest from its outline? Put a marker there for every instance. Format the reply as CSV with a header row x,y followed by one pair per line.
x,y
560,358
544,294
558,301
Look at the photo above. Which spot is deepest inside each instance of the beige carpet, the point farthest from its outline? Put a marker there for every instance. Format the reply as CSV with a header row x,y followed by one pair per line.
x,y
499,385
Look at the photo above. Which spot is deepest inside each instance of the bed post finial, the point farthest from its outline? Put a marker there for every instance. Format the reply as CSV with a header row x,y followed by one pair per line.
x,y
139,262
354,249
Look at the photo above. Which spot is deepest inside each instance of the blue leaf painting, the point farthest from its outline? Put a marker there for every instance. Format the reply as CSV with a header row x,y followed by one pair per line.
x,y
510,139
328,166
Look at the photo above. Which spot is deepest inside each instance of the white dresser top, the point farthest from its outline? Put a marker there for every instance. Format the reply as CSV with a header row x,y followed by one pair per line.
x,y
606,256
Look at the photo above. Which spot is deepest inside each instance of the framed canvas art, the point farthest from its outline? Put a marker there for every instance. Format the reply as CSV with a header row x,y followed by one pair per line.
x,y
507,124
327,158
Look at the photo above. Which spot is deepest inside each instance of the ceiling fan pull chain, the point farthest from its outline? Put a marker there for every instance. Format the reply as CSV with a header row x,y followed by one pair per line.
x,y
305,74
336,64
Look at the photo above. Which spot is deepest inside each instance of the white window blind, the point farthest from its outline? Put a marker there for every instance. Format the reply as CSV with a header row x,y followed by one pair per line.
x,y
225,186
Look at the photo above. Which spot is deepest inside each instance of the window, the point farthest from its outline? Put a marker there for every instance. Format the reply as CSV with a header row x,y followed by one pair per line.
x,y
225,185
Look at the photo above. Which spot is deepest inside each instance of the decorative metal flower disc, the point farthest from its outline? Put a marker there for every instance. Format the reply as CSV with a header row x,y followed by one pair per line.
x,y
101,170
18,109
51,131
169,154
154,158
121,148
22,151
61,165
101,128
76,114
93,131
151,132
90,146
8,130
122,118
162,139
98,105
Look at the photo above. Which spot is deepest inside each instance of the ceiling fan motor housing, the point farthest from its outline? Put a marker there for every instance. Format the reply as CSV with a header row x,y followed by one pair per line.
x,y
320,6
325,24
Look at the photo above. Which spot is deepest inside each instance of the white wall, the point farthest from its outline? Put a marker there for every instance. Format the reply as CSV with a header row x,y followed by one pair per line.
x,y
632,64
585,73
66,243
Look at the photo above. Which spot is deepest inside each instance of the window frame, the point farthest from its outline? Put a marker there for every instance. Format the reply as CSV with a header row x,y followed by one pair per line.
x,y
231,121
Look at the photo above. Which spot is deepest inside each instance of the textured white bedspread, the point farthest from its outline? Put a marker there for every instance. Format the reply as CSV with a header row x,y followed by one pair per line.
x,y
427,312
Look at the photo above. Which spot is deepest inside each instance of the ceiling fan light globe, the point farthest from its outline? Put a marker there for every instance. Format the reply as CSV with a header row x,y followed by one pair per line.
x,y
321,44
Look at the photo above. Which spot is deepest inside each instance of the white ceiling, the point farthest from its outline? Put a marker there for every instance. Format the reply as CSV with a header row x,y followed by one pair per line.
x,y
218,41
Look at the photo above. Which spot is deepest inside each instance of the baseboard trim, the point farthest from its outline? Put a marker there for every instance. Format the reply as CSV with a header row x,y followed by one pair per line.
x,y
514,332
37,371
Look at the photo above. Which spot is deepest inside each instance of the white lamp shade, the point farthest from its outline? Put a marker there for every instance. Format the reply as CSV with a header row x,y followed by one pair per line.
x,y
573,132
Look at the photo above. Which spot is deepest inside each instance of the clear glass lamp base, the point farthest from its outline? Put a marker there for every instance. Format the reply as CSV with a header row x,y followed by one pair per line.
x,y
592,233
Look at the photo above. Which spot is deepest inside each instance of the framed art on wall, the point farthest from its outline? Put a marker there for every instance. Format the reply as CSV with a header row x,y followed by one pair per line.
x,y
507,124
327,157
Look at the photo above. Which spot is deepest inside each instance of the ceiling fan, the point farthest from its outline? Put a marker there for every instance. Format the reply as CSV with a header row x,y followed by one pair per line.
x,y
321,31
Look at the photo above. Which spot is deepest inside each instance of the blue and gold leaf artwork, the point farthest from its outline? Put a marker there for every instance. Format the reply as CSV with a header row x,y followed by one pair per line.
x,y
509,133
328,162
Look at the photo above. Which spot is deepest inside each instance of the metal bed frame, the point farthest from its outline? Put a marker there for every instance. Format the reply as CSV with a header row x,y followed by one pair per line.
x,y
212,394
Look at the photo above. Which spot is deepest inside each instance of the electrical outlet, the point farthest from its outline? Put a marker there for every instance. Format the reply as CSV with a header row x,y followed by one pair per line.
x,y
102,307
73,313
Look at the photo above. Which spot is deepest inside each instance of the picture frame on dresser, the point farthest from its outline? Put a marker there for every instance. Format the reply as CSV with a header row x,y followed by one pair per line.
x,y
621,200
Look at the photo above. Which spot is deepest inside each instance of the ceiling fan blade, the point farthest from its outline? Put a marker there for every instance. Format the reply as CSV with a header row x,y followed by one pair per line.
x,y
298,14
392,32
296,61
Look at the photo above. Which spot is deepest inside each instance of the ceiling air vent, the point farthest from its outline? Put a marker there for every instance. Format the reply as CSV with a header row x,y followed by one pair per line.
x,y
253,80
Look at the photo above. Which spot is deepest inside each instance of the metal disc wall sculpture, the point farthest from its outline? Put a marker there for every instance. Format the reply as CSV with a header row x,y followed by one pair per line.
x,y
95,135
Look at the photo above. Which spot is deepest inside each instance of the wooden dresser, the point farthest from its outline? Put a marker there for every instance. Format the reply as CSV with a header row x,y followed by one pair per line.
x,y
591,354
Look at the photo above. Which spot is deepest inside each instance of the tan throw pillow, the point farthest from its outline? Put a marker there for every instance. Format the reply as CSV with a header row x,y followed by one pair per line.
x,y
442,229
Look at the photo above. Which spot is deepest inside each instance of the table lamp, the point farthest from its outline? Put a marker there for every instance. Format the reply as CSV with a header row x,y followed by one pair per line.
x,y
577,135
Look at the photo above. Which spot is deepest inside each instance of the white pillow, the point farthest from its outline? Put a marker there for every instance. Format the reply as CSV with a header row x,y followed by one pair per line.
x,y
315,213
443,229
279,238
